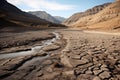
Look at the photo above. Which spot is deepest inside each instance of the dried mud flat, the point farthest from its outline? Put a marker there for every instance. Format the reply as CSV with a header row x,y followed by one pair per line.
x,y
92,55
78,55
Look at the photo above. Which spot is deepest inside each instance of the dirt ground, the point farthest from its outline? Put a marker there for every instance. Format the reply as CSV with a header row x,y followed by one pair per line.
x,y
82,55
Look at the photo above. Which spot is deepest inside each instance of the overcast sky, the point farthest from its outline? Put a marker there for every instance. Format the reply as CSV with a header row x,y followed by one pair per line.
x,y
64,8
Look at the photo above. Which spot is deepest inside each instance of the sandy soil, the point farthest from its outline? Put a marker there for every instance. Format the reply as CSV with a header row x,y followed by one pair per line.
x,y
80,56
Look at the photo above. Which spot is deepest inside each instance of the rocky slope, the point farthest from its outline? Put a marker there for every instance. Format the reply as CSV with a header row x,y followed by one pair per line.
x,y
10,15
75,17
106,19
44,15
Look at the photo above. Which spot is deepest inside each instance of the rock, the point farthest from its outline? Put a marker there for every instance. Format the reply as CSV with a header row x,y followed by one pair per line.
x,y
88,72
105,75
76,63
96,78
65,60
97,72
51,47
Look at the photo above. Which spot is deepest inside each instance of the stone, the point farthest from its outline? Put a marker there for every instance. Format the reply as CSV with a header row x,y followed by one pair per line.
x,y
65,60
97,72
96,78
76,63
105,75
88,72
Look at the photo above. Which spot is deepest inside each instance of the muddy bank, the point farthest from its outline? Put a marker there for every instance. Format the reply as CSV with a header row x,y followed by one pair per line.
x,y
12,42
48,45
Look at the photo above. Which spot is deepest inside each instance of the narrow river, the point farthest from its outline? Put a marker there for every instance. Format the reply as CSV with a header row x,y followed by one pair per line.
x,y
33,49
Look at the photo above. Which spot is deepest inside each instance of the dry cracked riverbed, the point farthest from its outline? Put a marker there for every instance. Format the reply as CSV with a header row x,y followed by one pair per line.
x,y
78,55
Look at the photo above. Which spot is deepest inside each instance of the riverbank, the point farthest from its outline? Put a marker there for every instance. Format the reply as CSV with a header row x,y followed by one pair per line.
x,y
22,41
36,65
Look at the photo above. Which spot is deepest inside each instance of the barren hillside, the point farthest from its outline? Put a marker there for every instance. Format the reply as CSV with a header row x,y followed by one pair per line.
x,y
75,17
11,15
108,18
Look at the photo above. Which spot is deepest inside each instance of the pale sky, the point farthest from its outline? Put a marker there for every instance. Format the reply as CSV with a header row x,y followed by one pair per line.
x,y
63,8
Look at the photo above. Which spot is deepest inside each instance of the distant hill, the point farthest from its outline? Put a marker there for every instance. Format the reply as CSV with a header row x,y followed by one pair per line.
x,y
61,19
44,15
47,16
11,15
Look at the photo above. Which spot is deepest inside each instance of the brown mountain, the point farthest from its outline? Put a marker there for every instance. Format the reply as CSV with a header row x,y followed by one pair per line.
x,y
11,15
75,17
108,18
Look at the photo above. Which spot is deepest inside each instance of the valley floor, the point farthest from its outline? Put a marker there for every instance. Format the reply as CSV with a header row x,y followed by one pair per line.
x,y
81,55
